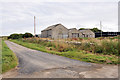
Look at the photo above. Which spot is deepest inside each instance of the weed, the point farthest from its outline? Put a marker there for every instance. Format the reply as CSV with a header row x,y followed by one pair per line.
x,y
9,59
73,51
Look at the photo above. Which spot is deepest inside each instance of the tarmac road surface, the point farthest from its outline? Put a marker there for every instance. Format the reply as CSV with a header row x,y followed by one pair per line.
x,y
37,64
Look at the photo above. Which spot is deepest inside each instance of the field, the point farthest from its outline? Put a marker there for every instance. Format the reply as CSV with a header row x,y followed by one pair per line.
x,y
95,50
9,59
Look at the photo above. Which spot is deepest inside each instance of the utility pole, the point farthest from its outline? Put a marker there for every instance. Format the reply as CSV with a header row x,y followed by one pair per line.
x,y
34,26
101,27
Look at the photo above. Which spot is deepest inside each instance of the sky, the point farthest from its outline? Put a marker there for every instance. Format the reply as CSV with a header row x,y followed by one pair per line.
x,y
18,16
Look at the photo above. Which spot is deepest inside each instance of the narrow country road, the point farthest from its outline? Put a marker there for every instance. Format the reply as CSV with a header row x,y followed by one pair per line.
x,y
37,64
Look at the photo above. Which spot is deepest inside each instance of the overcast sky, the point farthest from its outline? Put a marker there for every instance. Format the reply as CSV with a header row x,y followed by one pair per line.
x,y
18,17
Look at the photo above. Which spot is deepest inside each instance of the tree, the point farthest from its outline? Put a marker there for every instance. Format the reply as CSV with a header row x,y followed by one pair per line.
x,y
18,36
27,35
95,30
21,35
81,28
14,36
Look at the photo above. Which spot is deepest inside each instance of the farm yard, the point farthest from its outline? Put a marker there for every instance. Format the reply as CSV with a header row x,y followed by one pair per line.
x,y
59,39
94,50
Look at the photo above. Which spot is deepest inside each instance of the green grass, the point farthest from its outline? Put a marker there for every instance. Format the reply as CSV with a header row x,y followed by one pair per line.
x,y
9,59
74,54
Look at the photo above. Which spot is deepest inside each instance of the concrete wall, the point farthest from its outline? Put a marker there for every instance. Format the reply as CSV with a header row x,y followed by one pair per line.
x,y
49,33
60,32
43,34
74,33
46,34
87,33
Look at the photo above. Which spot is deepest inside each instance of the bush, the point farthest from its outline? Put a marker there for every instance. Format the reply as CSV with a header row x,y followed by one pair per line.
x,y
110,47
107,47
27,35
18,36
15,36
98,49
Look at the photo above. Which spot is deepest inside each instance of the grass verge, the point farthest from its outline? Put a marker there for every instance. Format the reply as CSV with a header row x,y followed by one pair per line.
x,y
78,55
9,59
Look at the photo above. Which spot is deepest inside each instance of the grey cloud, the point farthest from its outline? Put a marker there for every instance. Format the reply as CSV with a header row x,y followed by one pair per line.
x,y
19,16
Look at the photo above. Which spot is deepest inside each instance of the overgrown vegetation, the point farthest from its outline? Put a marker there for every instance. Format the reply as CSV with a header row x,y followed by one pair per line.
x,y
89,50
106,47
9,59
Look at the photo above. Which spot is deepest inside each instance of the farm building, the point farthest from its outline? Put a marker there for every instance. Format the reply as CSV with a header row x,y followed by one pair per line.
x,y
55,31
74,33
87,33
59,31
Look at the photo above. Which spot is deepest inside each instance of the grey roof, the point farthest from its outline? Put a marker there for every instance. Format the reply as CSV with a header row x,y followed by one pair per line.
x,y
86,31
72,29
51,27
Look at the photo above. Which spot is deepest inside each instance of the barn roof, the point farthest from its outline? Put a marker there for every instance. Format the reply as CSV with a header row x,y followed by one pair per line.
x,y
86,31
51,27
72,29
